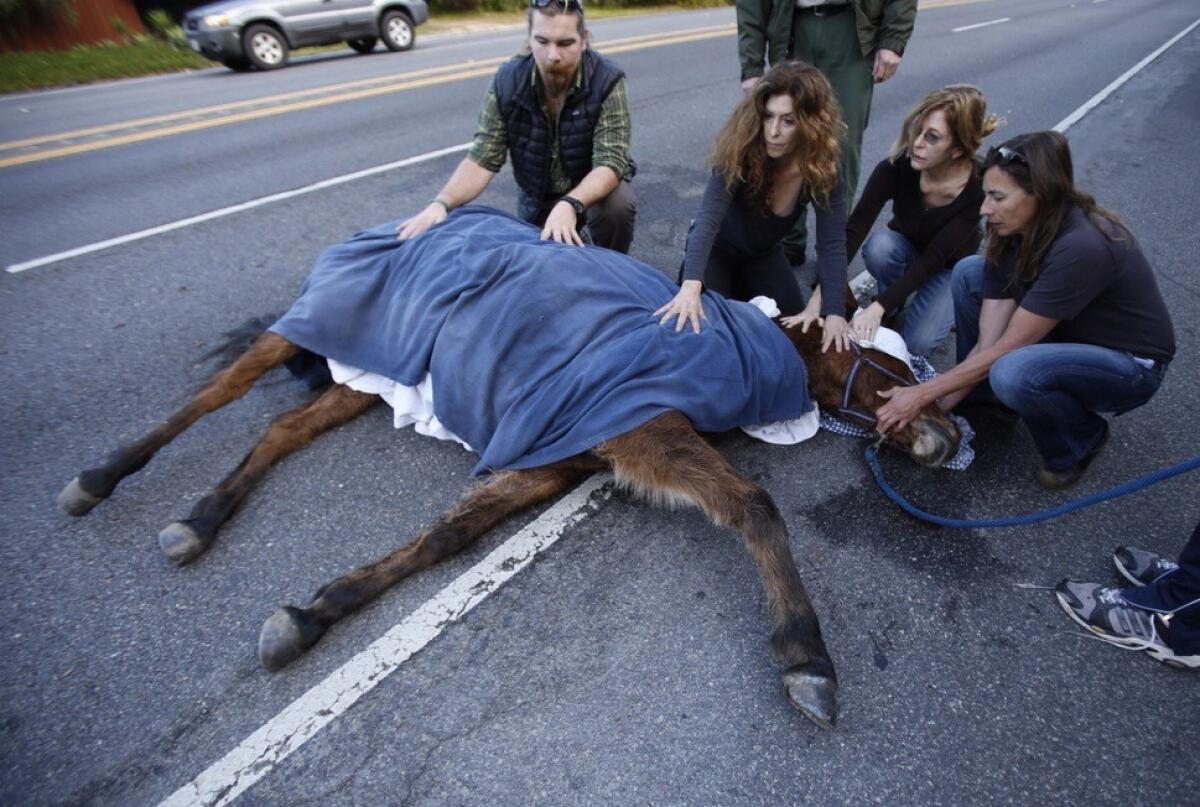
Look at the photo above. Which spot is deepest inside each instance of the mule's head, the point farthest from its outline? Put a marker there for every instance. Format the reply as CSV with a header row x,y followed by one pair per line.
x,y
930,439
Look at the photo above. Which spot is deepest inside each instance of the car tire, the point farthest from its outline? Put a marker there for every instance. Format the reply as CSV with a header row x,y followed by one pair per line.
x,y
265,47
364,45
397,31
237,65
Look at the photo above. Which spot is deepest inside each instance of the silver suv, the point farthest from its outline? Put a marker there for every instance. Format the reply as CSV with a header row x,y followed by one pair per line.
x,y
258,33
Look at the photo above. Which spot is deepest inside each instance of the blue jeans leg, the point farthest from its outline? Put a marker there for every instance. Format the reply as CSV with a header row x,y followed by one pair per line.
x,y
1177,594
1058,388
966,292
928,313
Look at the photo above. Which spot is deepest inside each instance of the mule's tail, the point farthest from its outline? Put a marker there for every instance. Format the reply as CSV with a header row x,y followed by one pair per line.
x,y
307,367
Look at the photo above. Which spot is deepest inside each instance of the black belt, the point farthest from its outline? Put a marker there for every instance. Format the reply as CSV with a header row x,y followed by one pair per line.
x,y
823,11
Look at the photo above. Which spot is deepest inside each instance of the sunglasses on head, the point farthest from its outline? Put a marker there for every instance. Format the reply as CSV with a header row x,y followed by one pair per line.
x,y
1003,155
565,5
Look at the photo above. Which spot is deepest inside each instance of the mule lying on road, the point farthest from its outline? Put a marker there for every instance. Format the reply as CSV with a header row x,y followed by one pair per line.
x,y
548,361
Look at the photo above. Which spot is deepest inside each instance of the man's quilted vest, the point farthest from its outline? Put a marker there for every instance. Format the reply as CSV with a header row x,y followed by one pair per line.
x,y
529,134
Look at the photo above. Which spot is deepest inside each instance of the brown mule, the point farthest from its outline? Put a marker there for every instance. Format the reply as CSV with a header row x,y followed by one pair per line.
x,y
664,459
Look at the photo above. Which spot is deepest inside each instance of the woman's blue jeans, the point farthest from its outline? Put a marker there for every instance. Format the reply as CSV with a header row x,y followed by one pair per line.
x,y
929,312
1056,387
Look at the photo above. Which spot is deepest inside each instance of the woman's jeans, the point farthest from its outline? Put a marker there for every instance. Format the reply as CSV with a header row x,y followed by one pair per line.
x,y
1056,387
929,312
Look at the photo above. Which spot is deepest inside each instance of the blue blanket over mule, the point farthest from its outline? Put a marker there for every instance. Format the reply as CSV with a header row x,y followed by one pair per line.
x,y
537,351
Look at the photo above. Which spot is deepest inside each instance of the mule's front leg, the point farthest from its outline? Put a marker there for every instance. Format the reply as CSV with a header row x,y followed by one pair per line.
x,y
810,679
666,457
291,631
96,484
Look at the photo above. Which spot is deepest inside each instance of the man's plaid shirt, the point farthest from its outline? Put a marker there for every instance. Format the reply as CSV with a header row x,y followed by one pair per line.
x,y
610,138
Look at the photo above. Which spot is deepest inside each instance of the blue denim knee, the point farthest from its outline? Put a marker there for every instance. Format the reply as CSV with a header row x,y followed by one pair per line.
x,y
887,255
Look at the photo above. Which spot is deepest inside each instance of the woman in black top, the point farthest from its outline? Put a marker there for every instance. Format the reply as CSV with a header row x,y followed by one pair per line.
x,y
930,177
1060,318
778,150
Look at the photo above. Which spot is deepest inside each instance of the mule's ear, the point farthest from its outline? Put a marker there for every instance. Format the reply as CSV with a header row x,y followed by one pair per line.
x,y
851,302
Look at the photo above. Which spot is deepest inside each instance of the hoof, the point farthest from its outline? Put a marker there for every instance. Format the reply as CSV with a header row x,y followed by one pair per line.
x,y
75,501
813,692
285,637
181,543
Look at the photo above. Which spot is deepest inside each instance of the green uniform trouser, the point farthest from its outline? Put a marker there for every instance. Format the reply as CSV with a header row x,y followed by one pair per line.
x,y
831,44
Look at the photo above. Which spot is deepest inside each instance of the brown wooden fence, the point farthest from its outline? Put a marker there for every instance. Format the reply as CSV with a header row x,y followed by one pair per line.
x,y
92,22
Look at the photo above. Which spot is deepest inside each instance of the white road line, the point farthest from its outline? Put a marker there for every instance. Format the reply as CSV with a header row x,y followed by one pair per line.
x,y
1074,117
228,211
254,758
980,25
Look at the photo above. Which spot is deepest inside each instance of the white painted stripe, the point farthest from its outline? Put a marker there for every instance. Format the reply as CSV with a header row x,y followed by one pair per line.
x,y
1094,101
981,25
227,778
228,211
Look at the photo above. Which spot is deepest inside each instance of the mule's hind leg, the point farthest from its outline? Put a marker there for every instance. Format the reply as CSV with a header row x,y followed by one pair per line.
x,y
182,541
665,458
290,631
93,486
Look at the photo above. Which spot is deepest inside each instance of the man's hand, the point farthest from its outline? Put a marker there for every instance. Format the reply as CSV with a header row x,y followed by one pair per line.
x,y
749,84
434,213
886,62
866,322
685,306
560,225
903,404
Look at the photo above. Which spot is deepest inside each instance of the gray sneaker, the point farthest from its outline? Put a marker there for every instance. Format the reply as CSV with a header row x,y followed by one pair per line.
x,y
1139,566
1104,612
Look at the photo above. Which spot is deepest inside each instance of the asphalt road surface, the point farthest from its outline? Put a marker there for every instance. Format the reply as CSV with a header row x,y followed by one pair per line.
x,y
627,663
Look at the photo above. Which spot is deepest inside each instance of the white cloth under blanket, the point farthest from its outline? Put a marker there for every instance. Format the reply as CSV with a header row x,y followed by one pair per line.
x,y
410,405
414,405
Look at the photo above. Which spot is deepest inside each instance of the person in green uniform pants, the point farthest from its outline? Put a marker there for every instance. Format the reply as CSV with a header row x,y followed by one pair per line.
x,y
855,43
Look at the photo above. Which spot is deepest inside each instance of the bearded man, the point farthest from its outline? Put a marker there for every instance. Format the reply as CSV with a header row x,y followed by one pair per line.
x,y
561,111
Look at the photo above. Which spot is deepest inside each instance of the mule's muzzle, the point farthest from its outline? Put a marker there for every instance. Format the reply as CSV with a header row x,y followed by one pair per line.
x,y
936,441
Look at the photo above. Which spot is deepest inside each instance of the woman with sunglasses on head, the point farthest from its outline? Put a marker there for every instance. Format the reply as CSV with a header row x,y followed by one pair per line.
x,y
777,151
1060,318
932,181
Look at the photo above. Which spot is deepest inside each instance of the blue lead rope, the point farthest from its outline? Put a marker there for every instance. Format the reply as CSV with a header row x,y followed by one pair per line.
x,y
1029,518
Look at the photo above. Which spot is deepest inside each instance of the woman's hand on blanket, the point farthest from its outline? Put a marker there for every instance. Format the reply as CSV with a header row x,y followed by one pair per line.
x,y
684,306
866,322
560,225
903,404
434,213
837,333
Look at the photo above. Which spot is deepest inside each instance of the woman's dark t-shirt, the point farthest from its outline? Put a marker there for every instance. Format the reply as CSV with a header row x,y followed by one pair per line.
x,y
1100,289
729,222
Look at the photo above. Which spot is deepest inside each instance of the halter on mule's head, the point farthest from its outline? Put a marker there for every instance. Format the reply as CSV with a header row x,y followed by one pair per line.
x,y
848,383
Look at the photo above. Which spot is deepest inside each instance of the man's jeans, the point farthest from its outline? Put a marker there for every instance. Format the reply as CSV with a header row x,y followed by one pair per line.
x,y
1056,387
929,312
609,221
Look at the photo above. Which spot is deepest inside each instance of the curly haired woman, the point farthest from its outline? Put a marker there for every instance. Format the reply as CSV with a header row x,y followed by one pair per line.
x,y
778,149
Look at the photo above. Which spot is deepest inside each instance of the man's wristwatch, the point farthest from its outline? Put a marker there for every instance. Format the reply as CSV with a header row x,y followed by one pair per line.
x,y
575,204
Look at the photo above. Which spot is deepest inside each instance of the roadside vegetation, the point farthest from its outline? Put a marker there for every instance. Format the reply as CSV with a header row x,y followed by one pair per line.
x,y
164,49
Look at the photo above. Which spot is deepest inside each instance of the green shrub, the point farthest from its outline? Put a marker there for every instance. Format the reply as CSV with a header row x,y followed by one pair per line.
x,y
164,28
